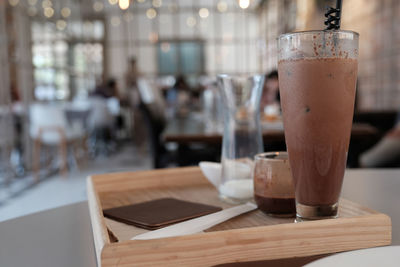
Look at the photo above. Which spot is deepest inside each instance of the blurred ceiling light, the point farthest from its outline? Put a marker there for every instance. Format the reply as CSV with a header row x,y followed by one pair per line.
x,y
65,12
13,2
113,2
98,6
47,3
222,6
61,24
128,16
157,3
244,4
165,47
48,12
153,37
32,11
203,13
151,13
123,4
115,21
191,22
32,2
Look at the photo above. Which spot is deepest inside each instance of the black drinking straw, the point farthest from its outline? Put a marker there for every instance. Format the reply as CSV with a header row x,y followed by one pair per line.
x,y
332,22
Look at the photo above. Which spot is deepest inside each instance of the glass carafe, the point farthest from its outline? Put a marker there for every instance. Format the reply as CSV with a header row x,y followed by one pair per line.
x,y
242,138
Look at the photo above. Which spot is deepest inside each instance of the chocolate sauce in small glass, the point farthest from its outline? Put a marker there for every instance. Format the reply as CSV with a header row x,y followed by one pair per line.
x,y
273,185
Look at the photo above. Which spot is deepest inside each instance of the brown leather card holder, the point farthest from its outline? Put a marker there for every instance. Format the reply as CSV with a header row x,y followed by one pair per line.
x,y
159,213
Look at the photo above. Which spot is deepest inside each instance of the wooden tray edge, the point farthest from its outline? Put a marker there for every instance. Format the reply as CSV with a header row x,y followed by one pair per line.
x,y
99,228
122,181
261,243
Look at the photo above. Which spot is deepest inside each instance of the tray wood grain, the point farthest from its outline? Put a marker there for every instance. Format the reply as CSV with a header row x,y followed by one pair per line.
x,y
253,236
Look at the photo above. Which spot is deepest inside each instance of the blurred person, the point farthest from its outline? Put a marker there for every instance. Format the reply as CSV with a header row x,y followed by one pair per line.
x,y
270,94
101,121
108,90
386,153
111,93
269,106
132,77
132,73
18,111
179,98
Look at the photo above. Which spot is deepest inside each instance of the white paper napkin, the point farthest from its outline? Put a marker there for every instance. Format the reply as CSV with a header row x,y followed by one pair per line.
x,y
198,224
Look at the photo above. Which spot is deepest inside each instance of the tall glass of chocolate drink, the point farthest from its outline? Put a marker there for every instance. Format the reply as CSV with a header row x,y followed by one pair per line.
x,y
317,81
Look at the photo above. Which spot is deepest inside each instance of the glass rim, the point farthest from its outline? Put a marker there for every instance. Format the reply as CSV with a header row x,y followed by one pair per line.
x,y
316,31
264,156
225,75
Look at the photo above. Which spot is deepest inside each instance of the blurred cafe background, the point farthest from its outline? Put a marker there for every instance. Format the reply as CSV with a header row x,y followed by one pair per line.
x,y
95,86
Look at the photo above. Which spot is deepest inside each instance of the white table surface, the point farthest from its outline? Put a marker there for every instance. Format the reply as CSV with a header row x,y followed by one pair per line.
x,y
58,237
63,236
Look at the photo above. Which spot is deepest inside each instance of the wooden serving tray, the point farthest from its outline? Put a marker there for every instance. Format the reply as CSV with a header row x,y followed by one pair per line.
x,y
249,237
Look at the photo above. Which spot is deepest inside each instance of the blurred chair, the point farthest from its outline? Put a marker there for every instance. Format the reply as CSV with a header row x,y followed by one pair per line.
x,y
49,126
77,113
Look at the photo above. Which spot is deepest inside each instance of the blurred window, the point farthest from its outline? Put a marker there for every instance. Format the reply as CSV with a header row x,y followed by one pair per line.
x,y
66,61
87,66
181,57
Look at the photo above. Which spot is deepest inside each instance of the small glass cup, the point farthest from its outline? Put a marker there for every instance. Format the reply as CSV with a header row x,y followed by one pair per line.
x,y
273,184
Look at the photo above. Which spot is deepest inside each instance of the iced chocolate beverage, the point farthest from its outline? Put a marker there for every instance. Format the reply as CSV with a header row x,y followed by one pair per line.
x,y
317,80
